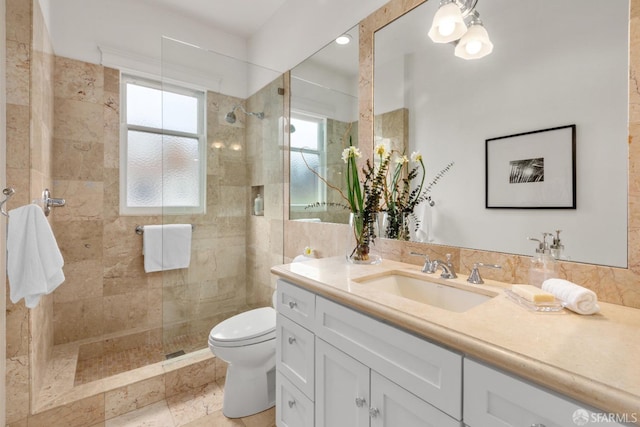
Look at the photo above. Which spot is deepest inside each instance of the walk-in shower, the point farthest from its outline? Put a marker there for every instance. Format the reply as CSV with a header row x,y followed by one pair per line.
x,y
136,318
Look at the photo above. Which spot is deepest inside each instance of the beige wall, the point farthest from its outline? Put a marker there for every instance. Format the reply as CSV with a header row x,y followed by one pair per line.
x,y
29,144
3,235
615,285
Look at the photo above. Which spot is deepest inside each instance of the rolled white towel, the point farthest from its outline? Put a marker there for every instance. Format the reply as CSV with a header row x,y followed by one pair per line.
x,y
577,298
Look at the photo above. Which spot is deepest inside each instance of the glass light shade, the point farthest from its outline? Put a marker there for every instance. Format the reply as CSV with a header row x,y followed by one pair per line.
x,y
474,44
448,24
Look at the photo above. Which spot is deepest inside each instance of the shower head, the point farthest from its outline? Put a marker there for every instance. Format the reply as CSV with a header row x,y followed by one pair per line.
x,y
231,115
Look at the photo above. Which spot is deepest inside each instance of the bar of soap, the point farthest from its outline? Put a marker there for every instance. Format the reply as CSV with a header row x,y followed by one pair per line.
x,y
533,294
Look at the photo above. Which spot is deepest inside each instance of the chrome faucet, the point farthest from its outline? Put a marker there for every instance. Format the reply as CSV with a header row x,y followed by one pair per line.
x,y
447,272
428,266
474,276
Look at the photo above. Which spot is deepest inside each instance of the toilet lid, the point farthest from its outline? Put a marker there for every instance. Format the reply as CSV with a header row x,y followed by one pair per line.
x,y
245,326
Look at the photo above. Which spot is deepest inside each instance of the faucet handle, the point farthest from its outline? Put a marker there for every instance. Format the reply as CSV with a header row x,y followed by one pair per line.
x,y
429,266
474,276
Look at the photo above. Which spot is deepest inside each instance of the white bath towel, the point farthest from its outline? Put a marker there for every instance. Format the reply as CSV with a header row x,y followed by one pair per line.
x,y
578,299
34,261
166,247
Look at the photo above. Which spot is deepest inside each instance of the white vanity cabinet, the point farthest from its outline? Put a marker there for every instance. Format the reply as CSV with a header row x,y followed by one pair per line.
x,y
497,399
350,394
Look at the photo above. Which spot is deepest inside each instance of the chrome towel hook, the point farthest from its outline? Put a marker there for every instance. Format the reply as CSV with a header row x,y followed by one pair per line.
x,y
50,202
8,192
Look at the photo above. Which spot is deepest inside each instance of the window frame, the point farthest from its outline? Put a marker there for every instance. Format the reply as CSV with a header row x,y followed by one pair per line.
x,y
321,152
201,136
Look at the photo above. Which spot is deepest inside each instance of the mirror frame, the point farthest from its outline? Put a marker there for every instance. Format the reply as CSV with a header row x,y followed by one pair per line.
x,y
612,284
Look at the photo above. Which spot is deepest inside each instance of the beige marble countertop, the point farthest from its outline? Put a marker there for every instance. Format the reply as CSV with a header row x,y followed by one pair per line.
x,y
593,359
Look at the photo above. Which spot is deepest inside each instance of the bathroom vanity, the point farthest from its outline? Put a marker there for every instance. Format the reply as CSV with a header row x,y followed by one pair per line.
x,y
353,353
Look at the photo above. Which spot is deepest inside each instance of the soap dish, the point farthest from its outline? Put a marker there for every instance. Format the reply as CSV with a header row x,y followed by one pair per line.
x,y
545,307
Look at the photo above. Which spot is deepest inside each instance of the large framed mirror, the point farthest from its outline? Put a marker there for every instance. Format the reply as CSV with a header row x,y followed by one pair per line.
x,y
323,121
553,64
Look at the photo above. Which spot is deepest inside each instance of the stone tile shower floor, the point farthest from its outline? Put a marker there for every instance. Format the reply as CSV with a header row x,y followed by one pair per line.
x,y
201,407
116,362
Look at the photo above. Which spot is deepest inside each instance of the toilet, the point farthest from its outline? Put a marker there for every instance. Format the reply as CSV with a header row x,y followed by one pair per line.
x,y
247,342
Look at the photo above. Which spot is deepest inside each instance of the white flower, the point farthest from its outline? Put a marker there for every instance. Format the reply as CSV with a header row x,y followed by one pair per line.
x,y
380,150
416,156
350,152
401,160
308,251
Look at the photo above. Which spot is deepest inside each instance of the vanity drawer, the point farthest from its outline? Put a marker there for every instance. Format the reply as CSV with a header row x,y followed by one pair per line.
x,y
295,352
293,409
494,398
429,371
296,303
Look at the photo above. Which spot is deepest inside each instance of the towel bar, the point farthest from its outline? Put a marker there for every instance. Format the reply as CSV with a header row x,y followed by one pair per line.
x,y
140,229
8,192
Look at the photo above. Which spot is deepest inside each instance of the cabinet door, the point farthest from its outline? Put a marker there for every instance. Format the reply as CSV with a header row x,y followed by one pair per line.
x,y
393,406
295,354
493,398
293,409
342,389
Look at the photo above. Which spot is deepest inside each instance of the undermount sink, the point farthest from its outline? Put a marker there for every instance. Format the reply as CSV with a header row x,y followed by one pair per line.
x,y
454,297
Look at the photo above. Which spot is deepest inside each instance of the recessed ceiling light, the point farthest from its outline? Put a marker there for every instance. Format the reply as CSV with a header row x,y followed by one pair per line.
x,y
344,39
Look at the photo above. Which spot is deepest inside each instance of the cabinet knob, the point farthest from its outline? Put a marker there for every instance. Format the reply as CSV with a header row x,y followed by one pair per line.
x,y
360,402
292,340
374,412
291,403
292,304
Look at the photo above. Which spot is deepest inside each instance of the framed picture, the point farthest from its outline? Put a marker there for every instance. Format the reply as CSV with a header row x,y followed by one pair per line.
x,y
532,170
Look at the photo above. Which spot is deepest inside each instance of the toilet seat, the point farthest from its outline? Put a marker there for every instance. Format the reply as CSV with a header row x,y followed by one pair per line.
x,y
246,328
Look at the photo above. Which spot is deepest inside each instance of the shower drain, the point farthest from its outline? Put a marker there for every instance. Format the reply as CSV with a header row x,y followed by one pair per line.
x,y
175,354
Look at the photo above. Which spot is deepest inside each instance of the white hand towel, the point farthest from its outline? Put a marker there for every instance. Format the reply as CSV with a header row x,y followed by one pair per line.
x,y
166,247
423,213
34,261
578,299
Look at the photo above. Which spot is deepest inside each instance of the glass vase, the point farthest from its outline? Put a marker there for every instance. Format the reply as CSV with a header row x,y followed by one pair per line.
x,y
396,225
363,230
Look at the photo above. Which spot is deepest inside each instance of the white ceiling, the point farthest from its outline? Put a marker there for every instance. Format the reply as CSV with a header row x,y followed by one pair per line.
x,y
239,17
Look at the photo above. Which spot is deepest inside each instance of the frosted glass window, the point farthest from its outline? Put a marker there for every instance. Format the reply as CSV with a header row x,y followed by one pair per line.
x,y
163,149
161,170
307,155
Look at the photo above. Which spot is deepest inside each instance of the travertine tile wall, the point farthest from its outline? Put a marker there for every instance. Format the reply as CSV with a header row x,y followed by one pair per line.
x,y
29,145
265,154
615,285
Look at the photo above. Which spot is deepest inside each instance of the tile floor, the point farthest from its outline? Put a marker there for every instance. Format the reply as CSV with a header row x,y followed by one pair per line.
x,y
113,363
200,407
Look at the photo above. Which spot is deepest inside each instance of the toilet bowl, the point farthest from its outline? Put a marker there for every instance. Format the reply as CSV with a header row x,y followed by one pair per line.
x,y
247,342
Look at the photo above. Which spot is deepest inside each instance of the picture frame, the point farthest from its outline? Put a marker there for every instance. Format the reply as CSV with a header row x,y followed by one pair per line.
x,y
532,170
